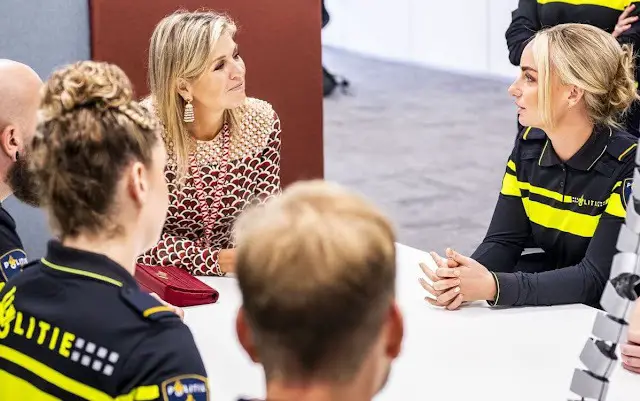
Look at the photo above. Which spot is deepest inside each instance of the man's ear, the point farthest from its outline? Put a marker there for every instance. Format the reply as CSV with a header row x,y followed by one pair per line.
x,y
395,333
138,185
245,337
9,142
184,89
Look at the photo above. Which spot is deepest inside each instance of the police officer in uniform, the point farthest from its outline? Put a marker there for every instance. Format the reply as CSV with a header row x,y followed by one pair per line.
x,y
618,17
19,100
567,181
75,325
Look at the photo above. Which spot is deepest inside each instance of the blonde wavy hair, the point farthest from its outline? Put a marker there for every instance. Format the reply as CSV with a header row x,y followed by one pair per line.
x,y
181,47
591,59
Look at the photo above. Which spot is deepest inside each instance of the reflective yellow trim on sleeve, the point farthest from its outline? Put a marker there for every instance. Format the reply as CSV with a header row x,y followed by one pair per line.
x,y
614,4
511,165
495,302
81,272
510,185
1,285
615,207
143,393
567,221
16,388
629,149
51,375
156,309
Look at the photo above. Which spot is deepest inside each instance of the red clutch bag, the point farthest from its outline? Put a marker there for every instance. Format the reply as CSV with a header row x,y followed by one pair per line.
x,y
175,285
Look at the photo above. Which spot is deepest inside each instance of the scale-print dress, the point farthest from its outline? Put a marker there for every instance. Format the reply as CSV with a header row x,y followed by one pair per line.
x,y
253,175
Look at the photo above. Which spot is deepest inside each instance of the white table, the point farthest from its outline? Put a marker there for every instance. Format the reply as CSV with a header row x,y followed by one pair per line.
x,y
475,353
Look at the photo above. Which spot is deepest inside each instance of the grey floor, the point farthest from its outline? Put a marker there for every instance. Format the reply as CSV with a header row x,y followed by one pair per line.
x,y
428,147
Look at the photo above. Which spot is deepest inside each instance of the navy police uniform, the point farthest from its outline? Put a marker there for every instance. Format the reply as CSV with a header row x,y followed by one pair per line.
x,y
75,326
573,210
533,15
12,254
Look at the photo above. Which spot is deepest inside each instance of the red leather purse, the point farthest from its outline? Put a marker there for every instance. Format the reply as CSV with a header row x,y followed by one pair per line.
x,y
174,285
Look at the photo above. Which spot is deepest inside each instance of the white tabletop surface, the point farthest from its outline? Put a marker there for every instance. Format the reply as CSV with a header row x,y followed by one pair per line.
x,y
475,353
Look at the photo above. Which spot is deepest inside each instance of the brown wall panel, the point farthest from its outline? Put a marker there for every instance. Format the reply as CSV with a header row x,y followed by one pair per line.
x,y
279,41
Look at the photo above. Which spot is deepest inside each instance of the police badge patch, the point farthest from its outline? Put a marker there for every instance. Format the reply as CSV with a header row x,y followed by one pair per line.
x,y
627,190
185,388
11,263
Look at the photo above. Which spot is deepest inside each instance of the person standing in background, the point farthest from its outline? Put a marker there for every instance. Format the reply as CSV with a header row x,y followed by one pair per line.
x,y
223,148
618,17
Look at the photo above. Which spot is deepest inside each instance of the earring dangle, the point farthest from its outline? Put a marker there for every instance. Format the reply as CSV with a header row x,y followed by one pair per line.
x,y
189,117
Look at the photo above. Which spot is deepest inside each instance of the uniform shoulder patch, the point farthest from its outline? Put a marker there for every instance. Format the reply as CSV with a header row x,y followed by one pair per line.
x,y
11,263
627,191
185,388
147,306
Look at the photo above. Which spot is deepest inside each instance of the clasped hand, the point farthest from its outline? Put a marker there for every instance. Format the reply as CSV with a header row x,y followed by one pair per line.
x,y
457,279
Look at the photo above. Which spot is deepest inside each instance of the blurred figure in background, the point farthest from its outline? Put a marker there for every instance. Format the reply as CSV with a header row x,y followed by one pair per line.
x,y
223,148
617,17
317,270
330,81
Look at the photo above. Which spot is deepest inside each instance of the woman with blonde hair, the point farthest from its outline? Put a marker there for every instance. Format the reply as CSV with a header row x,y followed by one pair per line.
x,y
223,148
567,181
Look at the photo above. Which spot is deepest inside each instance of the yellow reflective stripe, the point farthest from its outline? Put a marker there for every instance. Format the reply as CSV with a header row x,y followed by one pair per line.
x,y
629,149
614,4
510,185
495,301
16,388
544,192
81,272
615,207
526,133
52,376
511,165
144,393
1,285
567,221
156,309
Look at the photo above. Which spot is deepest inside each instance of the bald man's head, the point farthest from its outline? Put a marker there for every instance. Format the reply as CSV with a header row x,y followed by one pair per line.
x,y
19,102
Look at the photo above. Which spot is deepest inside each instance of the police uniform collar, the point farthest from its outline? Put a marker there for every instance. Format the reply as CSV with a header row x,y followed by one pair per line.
x,y
586,157
75,261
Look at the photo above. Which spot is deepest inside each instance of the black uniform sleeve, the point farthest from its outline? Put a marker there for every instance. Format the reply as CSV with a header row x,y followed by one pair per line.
x,y
524,24
166,365
580,283
509,229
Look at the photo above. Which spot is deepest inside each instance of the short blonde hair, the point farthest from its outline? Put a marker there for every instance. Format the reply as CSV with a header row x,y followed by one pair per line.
x,y
316,268
591,59
182,46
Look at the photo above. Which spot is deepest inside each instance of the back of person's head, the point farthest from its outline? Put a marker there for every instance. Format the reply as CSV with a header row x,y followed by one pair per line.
x,y
98,156
317,270
181,48
592,61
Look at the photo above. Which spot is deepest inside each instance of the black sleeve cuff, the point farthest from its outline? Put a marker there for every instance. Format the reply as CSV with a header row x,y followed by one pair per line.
x,y
507,289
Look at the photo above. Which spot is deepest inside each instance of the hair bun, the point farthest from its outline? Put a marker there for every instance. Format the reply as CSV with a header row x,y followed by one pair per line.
x,y
86,83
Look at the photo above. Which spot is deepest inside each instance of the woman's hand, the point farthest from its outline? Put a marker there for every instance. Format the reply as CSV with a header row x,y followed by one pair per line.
x,y
177,310
451,299
460,278
227,260
624,21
